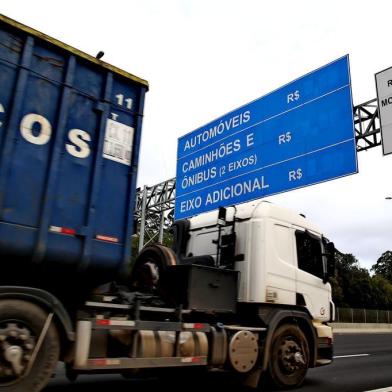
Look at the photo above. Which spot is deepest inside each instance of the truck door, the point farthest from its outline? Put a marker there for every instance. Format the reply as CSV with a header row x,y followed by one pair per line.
x,y
311,291
279,263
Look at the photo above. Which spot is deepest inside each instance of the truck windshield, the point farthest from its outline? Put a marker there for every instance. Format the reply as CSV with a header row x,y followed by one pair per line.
x,y
309,254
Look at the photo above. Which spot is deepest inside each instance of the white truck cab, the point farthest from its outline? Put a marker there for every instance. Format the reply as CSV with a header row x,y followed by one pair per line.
x,y
283,264
280,255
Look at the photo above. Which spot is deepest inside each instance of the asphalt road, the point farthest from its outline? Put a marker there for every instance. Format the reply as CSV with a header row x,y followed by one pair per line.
x,y
362,362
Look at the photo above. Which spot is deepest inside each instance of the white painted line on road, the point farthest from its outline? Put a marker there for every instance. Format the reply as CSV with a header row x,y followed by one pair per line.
x,y
387,389
351,356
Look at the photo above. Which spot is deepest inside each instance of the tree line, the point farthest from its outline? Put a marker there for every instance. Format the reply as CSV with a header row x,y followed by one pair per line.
x,y
354,286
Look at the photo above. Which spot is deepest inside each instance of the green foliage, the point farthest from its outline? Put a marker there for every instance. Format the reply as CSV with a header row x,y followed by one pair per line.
x,y
383,265
354,287
382,292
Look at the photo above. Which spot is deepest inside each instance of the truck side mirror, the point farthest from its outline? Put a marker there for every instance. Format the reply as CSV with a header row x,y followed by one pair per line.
x,y
221,216
331,262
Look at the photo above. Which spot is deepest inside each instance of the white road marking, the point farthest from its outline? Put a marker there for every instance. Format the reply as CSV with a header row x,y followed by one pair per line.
x,y
387,389
351,356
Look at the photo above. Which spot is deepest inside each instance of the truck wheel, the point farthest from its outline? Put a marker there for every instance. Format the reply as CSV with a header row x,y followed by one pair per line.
x,y
21,324
289,360
149,267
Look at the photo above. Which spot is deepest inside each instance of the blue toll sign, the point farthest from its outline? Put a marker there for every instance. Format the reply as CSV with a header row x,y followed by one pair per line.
x,y
298,135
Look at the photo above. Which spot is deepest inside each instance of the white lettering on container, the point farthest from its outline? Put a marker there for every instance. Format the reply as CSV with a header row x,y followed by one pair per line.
x,y
26,129
1,111
79,148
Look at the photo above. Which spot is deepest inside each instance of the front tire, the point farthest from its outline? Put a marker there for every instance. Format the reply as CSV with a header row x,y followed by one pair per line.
x,y
21,324
289,361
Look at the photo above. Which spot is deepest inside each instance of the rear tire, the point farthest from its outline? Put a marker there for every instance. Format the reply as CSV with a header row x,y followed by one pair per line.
x,y
289,360
21,324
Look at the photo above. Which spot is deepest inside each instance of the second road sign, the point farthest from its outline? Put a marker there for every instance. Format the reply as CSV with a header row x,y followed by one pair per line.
x,y
384,95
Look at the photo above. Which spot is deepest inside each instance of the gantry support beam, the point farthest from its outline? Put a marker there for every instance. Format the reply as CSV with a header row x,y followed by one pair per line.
x,y
367,125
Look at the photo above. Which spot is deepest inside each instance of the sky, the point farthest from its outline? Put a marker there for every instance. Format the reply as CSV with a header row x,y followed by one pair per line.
x,y
204,58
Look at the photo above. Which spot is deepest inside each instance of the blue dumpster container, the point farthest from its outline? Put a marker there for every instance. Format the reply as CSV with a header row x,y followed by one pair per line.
x,y
70,128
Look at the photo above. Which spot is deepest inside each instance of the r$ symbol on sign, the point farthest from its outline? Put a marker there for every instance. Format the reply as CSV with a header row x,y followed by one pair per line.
x,y
295,175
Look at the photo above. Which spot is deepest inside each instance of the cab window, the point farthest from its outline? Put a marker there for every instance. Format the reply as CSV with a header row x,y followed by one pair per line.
x,y
309,253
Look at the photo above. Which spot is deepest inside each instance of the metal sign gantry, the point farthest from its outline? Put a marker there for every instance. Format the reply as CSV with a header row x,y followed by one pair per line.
x,y
154,211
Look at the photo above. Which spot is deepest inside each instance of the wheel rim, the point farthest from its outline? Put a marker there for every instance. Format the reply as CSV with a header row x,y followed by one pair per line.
x,y
17,343
291,356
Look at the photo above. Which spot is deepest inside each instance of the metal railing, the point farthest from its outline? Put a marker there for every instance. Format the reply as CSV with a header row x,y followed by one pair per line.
x,y
349,315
